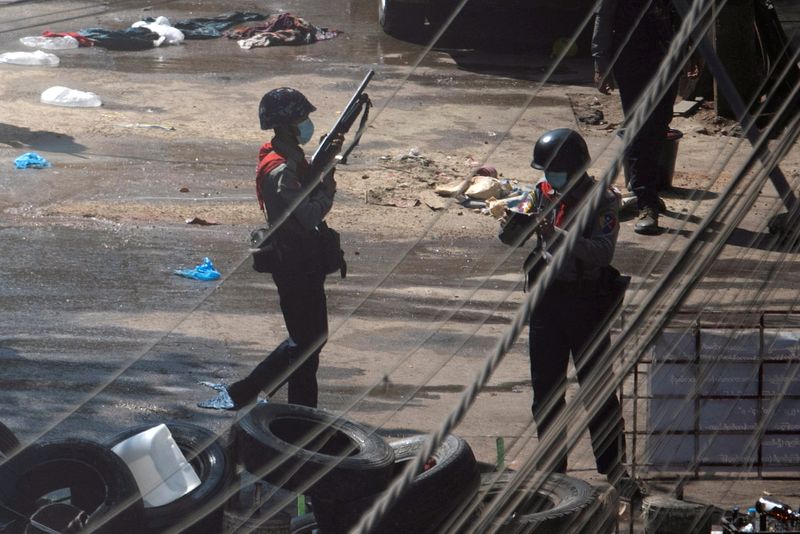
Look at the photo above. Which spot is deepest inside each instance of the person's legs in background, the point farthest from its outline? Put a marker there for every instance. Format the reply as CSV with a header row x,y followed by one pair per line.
x,y
633,72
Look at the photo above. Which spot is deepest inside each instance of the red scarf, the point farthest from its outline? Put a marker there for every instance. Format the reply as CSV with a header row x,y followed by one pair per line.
x,y
268,160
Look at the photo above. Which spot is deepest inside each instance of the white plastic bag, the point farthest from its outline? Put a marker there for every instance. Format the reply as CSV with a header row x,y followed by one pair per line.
x,y
50,43
161,26
64,96
38,58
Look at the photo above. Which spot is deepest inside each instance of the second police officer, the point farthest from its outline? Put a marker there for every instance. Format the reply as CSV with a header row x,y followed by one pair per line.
x,y
574,309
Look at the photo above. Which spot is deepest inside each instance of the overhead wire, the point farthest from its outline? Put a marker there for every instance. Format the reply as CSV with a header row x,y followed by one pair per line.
x,y
645,104
668,279
387,102
737,259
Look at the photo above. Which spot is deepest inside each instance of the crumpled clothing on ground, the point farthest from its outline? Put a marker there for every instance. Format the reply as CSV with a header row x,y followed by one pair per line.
x,y
127,39
212,28
282,29
82,40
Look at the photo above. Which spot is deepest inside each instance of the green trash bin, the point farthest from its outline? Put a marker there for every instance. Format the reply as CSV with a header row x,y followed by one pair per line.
x,y
666,160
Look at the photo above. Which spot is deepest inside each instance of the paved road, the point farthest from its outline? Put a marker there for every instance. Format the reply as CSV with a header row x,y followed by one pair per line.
x,y
97,334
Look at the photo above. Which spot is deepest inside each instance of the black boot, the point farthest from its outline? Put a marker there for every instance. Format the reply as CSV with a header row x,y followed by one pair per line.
x,y
648,221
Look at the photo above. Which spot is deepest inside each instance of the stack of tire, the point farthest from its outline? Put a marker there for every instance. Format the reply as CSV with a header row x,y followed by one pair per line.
x,y
344,467
38,480
558,505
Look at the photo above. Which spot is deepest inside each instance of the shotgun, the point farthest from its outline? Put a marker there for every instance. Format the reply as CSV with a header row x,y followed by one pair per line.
x,y
324,158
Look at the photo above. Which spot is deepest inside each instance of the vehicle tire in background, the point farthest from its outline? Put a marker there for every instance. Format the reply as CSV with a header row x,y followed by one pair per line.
x,y
8,441
561,504
402,19
451,480
312,451
208,456
99,483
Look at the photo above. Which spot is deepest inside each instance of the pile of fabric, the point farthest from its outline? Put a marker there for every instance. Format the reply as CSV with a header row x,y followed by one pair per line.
x,y
282,29
250,29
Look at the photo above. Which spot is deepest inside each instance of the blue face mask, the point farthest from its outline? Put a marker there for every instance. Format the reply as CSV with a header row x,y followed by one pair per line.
x,y
557,179
305,131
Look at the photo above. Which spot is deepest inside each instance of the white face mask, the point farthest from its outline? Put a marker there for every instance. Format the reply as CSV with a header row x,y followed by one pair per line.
x,y
557,179
305,131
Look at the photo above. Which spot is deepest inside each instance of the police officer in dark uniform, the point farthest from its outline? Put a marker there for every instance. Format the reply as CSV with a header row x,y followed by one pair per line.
x,y
575,307
282,184
640,31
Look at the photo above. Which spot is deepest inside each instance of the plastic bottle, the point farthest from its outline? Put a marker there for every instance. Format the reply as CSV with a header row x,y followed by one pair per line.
x,y
778,510
38,58
50,43
64,96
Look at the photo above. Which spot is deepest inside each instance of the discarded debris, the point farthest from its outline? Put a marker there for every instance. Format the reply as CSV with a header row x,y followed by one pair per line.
x,y
201,222
383,196
167,33
31,160
485,187
62,42
685,108
36,59
146,125
415,155
433,201
205,271
64,96
450,188
596,117
280,29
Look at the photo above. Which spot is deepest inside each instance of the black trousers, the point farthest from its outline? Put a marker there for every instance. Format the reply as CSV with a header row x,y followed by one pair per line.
x,y
633,71
295,360
564,322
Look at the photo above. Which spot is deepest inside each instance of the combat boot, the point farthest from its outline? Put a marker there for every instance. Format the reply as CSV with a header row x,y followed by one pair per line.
x,y
648,221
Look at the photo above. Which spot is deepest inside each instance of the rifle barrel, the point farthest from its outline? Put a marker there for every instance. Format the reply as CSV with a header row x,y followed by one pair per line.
x,y
351,103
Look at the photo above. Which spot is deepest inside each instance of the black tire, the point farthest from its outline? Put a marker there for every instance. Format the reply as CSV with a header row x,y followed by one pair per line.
x,y
8,441
663,513
562,504
304,524
99,481
205,452
311,451
402,19
433,494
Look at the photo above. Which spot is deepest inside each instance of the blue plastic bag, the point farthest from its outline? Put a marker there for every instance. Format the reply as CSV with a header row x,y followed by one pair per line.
x,y
31,160
205,271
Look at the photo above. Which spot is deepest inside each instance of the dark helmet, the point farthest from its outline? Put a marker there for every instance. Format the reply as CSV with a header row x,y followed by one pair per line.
x,y
283,106
561,150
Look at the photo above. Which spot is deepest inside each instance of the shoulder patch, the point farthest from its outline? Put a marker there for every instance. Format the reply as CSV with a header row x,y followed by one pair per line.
x,y
608,222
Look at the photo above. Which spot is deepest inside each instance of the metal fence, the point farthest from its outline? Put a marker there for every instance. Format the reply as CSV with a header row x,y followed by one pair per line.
x,y
717,394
